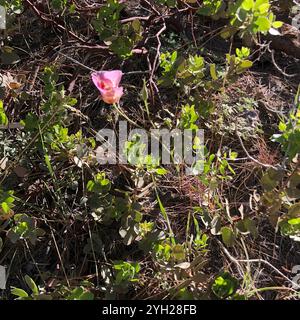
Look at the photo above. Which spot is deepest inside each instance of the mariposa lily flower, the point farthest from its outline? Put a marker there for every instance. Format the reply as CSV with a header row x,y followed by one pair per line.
x,y
107,83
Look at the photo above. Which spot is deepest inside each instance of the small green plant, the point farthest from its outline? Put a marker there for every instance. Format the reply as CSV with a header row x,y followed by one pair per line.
x,y
7,203
126,272
176,70
36,292
247,17
189,117
281,200
12,6
281,185
225,285
163,250
51,125
195,72
135,151
107,22
136,154
213,8
217,167
80,293
100,184
289,224
25,229
232,230
238,63
289,138
3,117
120,38
201,240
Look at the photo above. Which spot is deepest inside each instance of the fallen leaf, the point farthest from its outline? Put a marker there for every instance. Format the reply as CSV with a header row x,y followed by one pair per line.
x,y
21,172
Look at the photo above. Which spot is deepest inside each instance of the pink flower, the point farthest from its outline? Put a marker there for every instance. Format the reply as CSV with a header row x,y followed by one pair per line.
x,y
107,83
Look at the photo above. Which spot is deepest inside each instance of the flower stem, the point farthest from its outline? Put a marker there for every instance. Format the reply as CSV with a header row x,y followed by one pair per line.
x,y
119,110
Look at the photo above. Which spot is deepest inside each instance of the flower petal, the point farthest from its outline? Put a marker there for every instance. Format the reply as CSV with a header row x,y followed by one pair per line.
x,y
114,76
97,77
118,93
101,82
107,83
113,96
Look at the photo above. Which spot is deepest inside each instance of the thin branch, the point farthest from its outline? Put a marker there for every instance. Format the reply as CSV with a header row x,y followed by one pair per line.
x,y
279,69
238,261
250,157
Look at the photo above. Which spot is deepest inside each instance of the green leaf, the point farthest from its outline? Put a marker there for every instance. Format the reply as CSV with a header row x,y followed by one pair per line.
x,y
136,25
269,182
228,236
72,8
240,225
178,252
294,211
9,57
122,46
3,117
294,180
216,225
19,292
282,126
277,24
87,295
248,4
294,221
225,285
251,227
80,293
31,284
263,24
258,3
264,8
5,207
245,64
161,171
213,73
